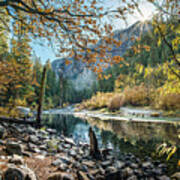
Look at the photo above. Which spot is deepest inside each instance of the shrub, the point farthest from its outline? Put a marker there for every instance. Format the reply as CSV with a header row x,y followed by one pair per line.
x,y
137,95
169,101
116,102
100,100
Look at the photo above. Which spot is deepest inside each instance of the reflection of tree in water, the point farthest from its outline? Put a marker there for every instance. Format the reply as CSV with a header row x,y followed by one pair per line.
x,y
62,123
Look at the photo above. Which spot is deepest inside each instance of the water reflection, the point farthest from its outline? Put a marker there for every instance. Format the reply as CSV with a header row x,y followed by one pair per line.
x,y
139,138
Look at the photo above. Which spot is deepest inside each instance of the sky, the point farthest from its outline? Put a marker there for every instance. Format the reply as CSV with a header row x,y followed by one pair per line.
x,y
44,52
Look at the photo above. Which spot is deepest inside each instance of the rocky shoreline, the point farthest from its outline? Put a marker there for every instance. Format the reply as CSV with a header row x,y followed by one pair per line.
x,y
27,153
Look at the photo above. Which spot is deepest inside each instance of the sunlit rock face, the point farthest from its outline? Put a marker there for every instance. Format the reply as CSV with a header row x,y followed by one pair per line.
x,y
80,75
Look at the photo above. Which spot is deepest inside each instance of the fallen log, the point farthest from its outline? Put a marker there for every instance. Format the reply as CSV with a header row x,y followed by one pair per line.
x,y
17,121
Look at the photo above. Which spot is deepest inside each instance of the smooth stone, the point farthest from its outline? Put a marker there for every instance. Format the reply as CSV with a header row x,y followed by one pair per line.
x,y
90,164
176,176
72,153
69,141
1,142
127,172
57,162
65,160
21,173
13,148
82,176
132,178
164,177
84,168
60,176
157,171
34,139
95,172
110,169
62,167
16,159
106,163
51,131
42,157
147,165
67,146
134,166
119,164
2,132
30,130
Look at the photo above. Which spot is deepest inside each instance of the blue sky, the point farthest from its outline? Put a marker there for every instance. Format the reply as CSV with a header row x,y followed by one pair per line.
x,y
45,52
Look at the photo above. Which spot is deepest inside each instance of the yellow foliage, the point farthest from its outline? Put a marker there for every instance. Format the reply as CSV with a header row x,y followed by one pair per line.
x,y
100,100
116,102
137,95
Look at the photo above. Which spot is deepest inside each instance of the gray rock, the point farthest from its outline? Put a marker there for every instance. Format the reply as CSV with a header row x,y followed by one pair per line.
x,y
176,176
94,172
2,132
66,160
34,139
111,169
62,167
1,142
67,146
13,148
16,159
21,173
84,168
132,178
72,153
147,165
60,176
119,164
106,163
89,163
157,171
57,162
127,172
134,166
69,141
51,131
82,176
30,130
164,177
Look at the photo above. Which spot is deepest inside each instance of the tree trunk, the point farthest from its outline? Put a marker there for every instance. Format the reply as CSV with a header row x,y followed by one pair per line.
x,y
94,150
41,96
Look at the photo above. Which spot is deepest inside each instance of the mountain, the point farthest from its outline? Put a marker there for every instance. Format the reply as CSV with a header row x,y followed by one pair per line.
x,y
80,75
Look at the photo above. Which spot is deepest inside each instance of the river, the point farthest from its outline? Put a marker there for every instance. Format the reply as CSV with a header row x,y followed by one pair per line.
x,y
140,138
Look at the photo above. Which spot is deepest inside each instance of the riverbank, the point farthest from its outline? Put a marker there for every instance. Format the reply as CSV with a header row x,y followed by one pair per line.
x,y
46,154
125,114
119,117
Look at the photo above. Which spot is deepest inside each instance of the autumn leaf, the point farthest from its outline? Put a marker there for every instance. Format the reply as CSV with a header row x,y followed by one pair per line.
x,y
67,62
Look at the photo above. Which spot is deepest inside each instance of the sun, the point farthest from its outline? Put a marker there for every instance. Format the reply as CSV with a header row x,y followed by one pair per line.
x,y
144,13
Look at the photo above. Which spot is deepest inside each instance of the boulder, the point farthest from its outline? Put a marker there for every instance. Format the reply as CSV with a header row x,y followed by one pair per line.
x,y
20,173
16,159
13,148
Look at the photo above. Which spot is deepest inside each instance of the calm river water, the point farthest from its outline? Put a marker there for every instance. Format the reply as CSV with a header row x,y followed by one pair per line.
x,y
142,139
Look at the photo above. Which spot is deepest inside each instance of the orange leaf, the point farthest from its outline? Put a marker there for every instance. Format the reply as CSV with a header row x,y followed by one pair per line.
x,y
67,62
